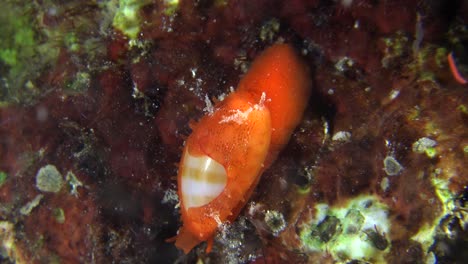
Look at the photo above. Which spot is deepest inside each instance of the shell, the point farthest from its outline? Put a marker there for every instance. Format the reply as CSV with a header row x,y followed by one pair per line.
x,y
202,180
237,137
230,147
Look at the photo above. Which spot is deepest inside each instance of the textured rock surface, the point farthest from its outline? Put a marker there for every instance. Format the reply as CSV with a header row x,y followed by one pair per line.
x,y
109,100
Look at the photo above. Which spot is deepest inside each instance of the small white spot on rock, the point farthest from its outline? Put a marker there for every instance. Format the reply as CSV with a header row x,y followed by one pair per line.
x,y
27,208
42,113
391,166
171,197
384,184
346,3
209,106
394,94
342,136
275,221
49,179
422,144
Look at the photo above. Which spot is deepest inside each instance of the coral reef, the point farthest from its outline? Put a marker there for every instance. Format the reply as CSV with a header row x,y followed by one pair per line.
x,y
97,97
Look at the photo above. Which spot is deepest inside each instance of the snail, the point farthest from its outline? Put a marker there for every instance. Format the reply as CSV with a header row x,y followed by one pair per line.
x,y
230,147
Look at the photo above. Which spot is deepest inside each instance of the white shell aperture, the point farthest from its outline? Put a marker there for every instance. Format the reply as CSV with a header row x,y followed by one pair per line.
x,y
202,180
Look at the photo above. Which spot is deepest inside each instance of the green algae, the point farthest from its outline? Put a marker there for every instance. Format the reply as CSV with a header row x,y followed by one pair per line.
x,y
15,50
59,215
3,178
23,54
127,17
